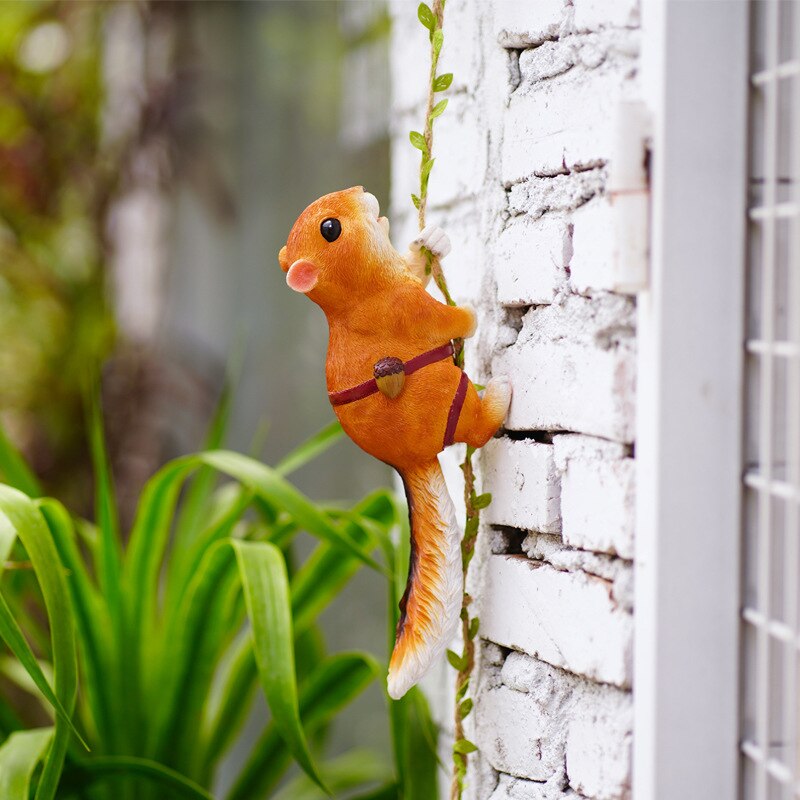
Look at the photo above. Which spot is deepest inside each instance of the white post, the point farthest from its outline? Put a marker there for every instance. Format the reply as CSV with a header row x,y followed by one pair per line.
x,y
689,404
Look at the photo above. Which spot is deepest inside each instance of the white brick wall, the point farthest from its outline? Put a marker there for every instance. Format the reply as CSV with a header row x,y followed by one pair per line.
x,y
519,183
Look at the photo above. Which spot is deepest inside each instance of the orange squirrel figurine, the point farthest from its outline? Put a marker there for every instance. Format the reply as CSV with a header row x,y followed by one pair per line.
x,y
397,392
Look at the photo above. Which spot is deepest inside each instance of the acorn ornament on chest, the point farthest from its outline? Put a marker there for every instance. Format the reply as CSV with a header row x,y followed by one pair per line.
x,y
397,392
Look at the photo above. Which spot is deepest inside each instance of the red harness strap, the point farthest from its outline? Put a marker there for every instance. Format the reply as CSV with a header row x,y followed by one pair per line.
x,y
371,386
455,410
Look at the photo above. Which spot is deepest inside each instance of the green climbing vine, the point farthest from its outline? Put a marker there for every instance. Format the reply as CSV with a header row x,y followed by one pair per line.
x,y
432,18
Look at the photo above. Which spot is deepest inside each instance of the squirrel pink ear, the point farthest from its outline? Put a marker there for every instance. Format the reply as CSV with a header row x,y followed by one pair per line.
x,y
302,276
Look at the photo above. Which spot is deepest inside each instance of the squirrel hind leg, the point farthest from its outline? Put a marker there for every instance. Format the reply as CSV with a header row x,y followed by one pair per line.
x,y
481,417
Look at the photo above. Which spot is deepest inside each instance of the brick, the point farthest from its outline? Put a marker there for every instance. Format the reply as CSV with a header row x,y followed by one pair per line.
x,y
524,484
547,61
519,734
461,166
573,368
458,172
598,752
525,24
530,260
549,548
466,264
563,122
555,194
597,495
511,788
557,719
569,620
404,174
482,777
593,14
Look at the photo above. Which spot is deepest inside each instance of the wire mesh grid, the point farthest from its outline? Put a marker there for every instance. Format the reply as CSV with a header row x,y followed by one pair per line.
x,y
770,720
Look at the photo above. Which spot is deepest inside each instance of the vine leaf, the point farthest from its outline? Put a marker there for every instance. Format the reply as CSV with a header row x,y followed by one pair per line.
x,y
439,108
456,661
464,746
426,17
418,141
443,82
482,500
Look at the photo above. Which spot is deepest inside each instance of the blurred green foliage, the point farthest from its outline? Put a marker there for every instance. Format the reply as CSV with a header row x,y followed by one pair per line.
x,y
57,181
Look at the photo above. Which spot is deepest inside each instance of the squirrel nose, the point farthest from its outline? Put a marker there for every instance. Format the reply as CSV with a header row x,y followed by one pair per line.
x,y
371,204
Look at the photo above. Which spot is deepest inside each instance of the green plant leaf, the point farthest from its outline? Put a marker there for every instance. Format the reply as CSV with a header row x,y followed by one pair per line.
x,y
437,40
332,685
105,511
457,662
267,483
19,756
465,707
390,791
313,587
420,769
310,449
426,168
22,514
193,505
343,774
439,108
266,592
14,638
12,670
91,771
472,526
464,746
474,624
482,500
14,469
415,200
442,82
91,619
227,506
418,141
224,721
426,17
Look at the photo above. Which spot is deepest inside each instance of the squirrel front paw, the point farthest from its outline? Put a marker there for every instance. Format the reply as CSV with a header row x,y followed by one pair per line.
x,y
471,310
434,239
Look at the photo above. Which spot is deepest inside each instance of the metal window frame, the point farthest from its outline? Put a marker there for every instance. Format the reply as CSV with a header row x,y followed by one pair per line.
x,y
770,613
688,451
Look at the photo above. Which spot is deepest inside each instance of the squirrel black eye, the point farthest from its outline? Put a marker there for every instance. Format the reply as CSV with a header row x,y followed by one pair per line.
x,y
330,229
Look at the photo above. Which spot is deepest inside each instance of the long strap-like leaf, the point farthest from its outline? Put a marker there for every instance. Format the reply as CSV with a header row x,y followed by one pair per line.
x,y
260,568
19,757
266,592
14,470
332,685
24,516
94,770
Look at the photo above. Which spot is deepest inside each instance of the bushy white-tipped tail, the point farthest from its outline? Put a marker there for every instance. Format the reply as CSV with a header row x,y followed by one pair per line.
x,y
429,611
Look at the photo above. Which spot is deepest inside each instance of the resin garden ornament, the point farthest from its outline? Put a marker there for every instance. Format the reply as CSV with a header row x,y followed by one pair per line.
x,y
397,392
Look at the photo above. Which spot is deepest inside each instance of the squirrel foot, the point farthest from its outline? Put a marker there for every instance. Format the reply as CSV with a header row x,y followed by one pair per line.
x,y
434,239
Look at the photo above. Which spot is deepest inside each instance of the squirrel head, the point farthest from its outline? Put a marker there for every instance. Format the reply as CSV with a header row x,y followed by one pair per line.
x,y
339,249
